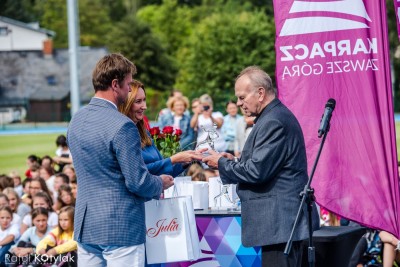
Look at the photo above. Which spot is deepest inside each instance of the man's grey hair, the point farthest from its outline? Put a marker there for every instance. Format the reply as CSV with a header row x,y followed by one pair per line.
x,y
258,78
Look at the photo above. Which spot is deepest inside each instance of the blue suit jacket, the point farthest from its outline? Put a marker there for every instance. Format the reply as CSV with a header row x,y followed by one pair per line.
x,y
112,178
271,173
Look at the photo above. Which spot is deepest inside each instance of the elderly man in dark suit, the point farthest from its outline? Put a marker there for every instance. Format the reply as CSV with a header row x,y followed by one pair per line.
x,y
112,178
271,172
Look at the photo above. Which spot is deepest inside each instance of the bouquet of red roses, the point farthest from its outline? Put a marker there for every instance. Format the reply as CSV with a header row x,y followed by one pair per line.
x,y
167,141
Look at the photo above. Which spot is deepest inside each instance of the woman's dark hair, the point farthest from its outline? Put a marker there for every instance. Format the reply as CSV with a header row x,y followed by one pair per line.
x,y
33,158
39,211
43,186
229,102
8,209
61,141
66,188
46,197
64,177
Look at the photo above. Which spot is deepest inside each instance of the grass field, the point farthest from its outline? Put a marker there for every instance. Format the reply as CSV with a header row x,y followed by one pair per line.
x,y
16,148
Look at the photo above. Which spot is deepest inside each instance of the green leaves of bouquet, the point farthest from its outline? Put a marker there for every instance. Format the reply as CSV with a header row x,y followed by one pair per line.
x,y
167,141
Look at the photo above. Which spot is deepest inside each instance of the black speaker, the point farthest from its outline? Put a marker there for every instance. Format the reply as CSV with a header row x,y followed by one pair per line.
x,y
334,245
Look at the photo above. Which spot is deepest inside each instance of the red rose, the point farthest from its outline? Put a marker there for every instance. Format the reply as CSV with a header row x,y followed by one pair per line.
x,y
155,131
168,130
178,132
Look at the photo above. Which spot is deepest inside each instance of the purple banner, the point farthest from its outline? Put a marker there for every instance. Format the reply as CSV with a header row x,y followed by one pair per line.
x,y
397,11
339,49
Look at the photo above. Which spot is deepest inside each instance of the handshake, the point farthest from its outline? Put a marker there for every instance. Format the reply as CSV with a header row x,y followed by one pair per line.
x,y
207,156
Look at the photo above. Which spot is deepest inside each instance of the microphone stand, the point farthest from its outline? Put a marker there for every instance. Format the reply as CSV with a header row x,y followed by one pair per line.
x,y
307,196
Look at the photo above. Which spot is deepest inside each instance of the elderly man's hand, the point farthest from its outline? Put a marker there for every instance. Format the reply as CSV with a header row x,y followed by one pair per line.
x,y
212,159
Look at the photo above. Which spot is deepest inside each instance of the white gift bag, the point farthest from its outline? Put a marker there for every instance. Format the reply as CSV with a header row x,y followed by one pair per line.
x,y
171,232
177,186
184,187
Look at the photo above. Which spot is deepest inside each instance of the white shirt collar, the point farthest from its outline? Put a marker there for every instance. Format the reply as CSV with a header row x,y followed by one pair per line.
x,y
106,100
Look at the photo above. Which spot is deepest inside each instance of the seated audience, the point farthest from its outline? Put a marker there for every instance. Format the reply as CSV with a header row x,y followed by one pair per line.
x,y
60,240
30,239
15,202
41,199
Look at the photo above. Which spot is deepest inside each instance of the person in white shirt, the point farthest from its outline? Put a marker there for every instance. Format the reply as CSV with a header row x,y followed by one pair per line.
x,y
8,232
204,119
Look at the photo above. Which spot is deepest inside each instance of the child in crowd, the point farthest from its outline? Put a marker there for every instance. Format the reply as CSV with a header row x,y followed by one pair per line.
x,y
60,179
210,173
35,168
63,155
5,202
31,161
43,200
15,202
70,171
196,172
37,185
65,197
8,232
26,185
74,188
31,237
60,240
17,183
5,181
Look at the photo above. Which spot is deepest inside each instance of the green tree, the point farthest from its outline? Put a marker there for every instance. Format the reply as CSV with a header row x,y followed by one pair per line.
x,y
134,39
21,10
94,21
53,16
221,46
171,23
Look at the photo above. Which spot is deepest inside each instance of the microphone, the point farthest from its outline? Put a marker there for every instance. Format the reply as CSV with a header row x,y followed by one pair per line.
x,y
324,126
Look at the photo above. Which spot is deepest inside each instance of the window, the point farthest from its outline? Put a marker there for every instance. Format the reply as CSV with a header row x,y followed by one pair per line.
x,y
51,80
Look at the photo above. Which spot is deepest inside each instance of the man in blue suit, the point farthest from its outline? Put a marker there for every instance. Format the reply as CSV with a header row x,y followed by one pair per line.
x,y
271,172
112,178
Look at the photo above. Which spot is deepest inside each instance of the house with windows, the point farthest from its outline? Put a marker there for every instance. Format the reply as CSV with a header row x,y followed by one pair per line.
x,y
35,77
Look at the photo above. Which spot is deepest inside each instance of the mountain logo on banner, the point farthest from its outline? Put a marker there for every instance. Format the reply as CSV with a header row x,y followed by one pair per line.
x,y
316,16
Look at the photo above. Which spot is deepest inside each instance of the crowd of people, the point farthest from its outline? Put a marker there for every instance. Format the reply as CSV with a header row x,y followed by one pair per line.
x,y
119,168
37,212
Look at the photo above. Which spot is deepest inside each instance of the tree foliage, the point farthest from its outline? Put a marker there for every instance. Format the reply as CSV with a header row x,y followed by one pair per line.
x,y
170,22
220,48
21,10
134,39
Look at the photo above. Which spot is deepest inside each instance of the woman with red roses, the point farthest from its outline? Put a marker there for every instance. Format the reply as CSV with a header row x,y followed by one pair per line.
x,y
134,107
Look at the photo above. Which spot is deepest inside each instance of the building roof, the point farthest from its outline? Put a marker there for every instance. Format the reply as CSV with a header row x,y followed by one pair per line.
x,y
30,75
27,26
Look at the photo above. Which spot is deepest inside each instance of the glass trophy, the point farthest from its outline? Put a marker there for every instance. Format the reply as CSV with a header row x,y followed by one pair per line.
x,y
212,135
234,205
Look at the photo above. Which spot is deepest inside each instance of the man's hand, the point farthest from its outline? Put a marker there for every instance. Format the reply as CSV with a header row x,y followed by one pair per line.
x,y
212,159
227,155
186,156
167,181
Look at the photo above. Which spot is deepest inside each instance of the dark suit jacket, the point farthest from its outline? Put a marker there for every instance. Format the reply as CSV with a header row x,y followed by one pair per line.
x,y
113,180
271,173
